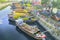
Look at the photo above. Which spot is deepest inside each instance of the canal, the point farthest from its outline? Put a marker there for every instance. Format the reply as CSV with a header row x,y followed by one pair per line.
x,y
10,32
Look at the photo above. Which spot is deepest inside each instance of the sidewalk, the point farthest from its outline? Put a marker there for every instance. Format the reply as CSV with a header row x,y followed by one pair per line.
x,y
3,5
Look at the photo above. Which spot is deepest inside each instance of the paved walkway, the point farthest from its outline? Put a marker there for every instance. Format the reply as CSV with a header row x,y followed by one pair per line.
x,y
3,4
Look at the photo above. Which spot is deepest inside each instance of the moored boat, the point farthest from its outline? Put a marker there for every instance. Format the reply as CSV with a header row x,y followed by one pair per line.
x,y
25,16
32,31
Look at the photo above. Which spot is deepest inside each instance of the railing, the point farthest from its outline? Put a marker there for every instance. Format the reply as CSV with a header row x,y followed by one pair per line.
x,y
49,26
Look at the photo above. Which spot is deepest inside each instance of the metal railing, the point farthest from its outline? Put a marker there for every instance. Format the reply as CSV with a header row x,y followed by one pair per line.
x,y
49,26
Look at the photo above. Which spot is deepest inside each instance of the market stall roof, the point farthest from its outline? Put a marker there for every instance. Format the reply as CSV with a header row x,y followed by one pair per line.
x,y
58,14
46,13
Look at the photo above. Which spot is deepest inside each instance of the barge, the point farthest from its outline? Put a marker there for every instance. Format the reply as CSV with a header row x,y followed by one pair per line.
x,y
32,31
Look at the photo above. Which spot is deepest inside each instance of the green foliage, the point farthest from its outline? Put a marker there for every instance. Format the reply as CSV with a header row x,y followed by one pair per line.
x,y
38,7
44,1
3,0
56,4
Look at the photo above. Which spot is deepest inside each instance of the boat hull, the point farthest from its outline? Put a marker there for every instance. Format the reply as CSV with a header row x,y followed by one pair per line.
x,y
28,33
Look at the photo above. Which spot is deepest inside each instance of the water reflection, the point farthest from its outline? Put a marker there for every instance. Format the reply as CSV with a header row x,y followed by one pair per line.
x,y
27,36
20,31
8,29
12,23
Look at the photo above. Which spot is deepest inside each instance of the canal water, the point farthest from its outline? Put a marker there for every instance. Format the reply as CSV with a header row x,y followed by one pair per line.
x,y
8,31
11,32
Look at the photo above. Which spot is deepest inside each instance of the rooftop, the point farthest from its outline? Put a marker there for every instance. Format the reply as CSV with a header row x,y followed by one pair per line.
x,y
58,14
46,13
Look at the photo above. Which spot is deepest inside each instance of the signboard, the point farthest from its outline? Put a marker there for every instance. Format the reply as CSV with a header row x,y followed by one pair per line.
x,y
37,2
